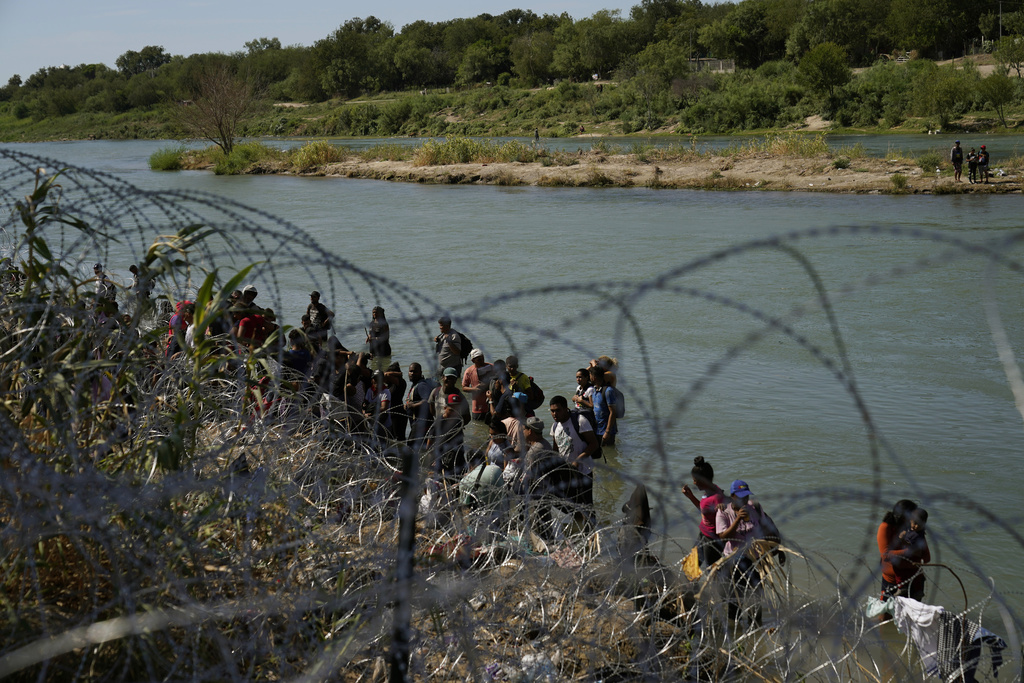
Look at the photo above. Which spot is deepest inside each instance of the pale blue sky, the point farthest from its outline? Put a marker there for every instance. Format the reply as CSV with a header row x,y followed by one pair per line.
x,y
54,32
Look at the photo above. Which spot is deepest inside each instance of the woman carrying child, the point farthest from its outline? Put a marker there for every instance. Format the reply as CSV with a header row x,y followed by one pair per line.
x,y
899,560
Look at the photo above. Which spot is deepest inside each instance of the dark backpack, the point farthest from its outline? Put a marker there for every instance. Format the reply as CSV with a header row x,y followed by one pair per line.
x,y
574,416
465,346
534,396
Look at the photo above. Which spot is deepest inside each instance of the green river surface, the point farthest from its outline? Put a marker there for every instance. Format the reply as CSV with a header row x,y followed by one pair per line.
x,y
917,285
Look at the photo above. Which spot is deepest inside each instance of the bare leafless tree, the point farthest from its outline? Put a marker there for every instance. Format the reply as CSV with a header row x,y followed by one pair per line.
x,y
221,101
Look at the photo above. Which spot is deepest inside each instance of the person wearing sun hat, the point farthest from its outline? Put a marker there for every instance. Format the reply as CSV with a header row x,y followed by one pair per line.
x,y
739,523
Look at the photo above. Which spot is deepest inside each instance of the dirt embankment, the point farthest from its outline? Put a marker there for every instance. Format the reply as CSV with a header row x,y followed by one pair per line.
x,y
756,172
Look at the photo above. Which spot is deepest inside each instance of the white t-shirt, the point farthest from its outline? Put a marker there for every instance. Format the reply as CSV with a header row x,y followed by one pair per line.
x,y
570,444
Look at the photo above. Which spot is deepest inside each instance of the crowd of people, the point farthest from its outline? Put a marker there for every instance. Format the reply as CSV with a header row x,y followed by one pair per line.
x,y
525,454
376,399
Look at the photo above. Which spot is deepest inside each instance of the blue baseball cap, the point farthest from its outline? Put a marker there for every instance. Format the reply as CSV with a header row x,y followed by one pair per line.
x,y
521,397
739,488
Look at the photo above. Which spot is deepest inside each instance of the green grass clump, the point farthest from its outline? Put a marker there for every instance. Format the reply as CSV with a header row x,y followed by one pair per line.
x,y
783,144
389,151
899,182
167,158
895,154
316,154
462,150
856,151
244,156
841,162
930,161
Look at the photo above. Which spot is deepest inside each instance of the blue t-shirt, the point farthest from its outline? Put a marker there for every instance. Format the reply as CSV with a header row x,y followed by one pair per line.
x,y
604,403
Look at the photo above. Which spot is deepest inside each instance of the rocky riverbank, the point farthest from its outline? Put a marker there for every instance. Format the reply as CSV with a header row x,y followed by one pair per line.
x,y
748,172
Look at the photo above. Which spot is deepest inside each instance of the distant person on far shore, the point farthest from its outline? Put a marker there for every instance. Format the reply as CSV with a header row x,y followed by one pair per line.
x,y
956,157
983,160
972,166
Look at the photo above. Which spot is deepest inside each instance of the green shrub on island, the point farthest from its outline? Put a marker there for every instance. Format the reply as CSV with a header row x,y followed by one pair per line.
x,y
316,154
388,151
899,182
244,157
930,160
463,150
167,158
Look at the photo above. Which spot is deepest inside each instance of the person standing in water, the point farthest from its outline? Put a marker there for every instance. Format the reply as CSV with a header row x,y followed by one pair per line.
x,y
709,545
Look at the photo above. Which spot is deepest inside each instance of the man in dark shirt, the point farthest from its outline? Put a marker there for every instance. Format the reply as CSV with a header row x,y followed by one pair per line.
x,y
417,405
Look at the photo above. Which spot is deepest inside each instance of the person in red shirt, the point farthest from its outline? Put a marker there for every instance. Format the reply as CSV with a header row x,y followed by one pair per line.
x,y
250,325
897,571
709,545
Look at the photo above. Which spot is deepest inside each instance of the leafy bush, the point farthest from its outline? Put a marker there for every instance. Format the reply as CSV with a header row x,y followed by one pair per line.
x,y
462,150
841,162
244,156
856,151
315,155
389,151
930,161
899,182
167,158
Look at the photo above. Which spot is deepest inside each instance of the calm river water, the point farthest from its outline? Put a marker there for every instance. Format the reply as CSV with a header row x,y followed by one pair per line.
x,y
912,303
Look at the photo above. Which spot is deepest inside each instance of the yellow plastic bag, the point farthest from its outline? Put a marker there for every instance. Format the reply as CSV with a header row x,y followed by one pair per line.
x,y
691,565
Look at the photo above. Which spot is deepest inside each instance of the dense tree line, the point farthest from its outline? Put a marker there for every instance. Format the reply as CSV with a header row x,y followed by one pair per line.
x,y
794,56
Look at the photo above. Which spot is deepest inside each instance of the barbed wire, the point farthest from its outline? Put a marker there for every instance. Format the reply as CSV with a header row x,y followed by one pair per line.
x,y
155,523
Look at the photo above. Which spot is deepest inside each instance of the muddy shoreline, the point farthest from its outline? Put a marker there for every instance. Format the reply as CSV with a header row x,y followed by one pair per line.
x,y
750,172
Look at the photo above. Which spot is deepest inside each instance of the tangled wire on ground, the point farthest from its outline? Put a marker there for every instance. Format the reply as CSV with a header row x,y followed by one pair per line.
x,y
150,528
